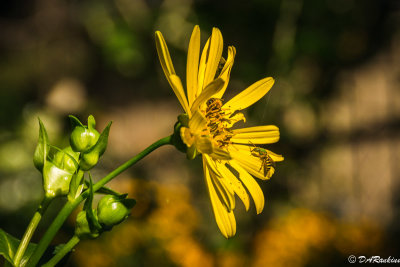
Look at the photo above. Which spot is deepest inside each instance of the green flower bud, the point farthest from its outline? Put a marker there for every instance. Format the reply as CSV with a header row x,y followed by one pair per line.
x,y
55,180
58,172
83,139
112,210
90,158
83,230
66,159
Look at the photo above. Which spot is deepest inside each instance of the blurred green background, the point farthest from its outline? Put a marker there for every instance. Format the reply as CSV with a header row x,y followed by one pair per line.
x,y
336,65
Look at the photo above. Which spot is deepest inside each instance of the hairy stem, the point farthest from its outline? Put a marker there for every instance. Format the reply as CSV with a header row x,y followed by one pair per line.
x,y
30,230
72,204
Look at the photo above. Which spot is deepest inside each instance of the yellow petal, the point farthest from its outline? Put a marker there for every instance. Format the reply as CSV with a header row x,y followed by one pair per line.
x,y
192,66
210,90
220,154
197,122
236,185
246,149
210,58
169,71
177,87
204,145
224,192
254,165
211,167
202,68
214,56
267,134
225,220
186,136
251,184
234,119
226,71
275,157
250,95
163,55
251,164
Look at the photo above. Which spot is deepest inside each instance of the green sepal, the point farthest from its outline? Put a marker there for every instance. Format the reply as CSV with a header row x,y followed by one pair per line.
x,y
87,224
75,122
91,216
184,119
42,149
83,230
76,186
101,144
9,246
66,159
91,123
106,190
129,202
90,158
191,153
176,139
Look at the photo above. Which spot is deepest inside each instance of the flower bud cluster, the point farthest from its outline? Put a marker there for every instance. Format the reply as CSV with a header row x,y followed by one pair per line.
x,y
60,166
111,210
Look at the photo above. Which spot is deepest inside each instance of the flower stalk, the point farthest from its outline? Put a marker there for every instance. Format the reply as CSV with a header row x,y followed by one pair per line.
x,y
30,230
63,251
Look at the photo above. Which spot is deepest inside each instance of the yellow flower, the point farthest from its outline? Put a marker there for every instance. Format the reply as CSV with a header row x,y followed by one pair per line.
x,y
230,156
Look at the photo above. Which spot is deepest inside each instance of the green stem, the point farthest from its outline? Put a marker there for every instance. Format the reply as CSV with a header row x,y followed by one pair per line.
x,y
30,230
63,251
72,204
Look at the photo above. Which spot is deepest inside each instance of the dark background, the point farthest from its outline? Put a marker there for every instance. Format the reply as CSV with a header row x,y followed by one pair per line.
x,y
336,100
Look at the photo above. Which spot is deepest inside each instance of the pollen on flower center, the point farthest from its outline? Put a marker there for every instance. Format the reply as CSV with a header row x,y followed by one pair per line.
x,y
218,122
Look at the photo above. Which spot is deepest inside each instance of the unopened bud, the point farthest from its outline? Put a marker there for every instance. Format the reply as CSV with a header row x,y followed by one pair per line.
x,y
90,158
83,139
112,210
83,229
66,159
55,180
58,172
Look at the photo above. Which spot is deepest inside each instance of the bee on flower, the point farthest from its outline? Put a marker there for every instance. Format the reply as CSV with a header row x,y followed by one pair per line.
x,y
230,156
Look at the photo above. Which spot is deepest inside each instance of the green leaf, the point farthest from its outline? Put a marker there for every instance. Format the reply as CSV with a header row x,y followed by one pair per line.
x,y
42,149
9,246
